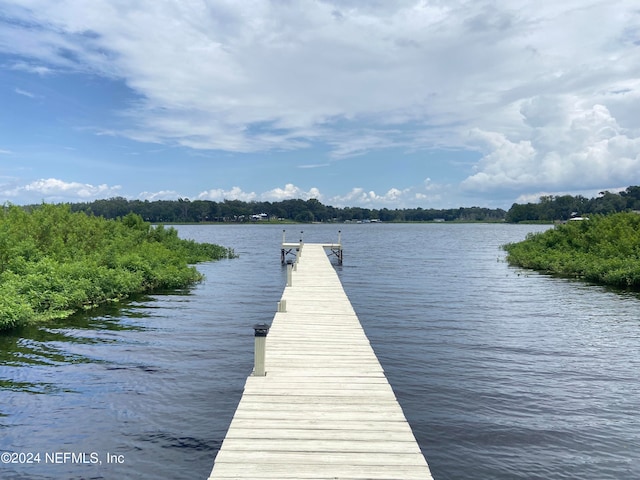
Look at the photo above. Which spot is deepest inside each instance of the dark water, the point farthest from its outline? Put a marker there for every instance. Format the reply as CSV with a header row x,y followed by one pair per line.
x,y
503,374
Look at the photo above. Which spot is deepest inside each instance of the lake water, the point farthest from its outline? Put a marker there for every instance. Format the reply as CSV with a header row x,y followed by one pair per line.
x,y
502,373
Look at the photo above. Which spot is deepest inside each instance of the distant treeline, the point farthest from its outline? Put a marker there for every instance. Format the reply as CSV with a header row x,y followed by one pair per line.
x,y
551,208
304,211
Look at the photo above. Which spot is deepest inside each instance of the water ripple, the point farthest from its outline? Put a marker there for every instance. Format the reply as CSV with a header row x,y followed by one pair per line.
x,y
502,373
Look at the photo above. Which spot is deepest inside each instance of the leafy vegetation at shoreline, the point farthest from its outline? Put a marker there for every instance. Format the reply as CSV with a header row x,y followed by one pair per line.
x,y
548,209
604,249
551,208
54,262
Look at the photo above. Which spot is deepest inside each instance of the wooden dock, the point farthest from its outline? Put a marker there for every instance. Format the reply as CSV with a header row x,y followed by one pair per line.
x,y
324,408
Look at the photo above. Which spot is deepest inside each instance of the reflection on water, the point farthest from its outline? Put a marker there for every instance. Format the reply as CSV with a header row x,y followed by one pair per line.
x,y
502,373
155,380
29,387
51,345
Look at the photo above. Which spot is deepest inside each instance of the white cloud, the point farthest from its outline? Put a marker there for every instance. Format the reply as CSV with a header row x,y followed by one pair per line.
x,y
300,66
24,93
570,147
549,89
351,145
360,197
53,189
218,195
290,191
355,197
161,195
275,195
315,165
5,152
428,195
25,67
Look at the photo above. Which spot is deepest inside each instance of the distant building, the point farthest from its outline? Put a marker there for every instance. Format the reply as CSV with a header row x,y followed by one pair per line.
x,y
576,216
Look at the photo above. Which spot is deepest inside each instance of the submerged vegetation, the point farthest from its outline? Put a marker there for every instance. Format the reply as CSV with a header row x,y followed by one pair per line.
x,y
54,262
605,249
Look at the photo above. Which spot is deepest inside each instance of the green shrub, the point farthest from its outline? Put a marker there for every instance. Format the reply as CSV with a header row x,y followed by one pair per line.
x,y
603,250
54,262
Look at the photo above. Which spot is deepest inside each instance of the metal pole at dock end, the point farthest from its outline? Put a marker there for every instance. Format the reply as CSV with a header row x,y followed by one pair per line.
x,y
261,331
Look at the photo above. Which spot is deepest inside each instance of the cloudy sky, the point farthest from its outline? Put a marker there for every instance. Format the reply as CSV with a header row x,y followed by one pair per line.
x,y
378,103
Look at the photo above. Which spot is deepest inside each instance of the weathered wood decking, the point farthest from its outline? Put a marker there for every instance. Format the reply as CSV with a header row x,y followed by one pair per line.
x,y
325,409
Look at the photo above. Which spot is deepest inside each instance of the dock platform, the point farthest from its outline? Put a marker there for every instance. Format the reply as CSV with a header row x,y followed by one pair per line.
x,y
288,248
320,406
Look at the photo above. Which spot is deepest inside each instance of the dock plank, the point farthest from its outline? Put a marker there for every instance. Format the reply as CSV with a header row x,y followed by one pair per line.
x,y
324,409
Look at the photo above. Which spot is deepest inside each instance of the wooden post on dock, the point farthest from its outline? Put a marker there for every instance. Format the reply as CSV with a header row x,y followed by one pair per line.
x,y
261,331
325,410
289,274
299,254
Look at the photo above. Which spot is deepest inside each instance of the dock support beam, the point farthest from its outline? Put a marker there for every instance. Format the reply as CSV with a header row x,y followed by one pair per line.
x,y
336,248
287,248
297,247
261,331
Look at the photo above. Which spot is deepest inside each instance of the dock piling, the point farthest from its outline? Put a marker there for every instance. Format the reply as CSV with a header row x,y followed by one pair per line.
x,y
282,306
261,331
289,274
283,252
326,409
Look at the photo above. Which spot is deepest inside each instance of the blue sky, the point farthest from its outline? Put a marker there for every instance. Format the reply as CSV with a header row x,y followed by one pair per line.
x,y
395,103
